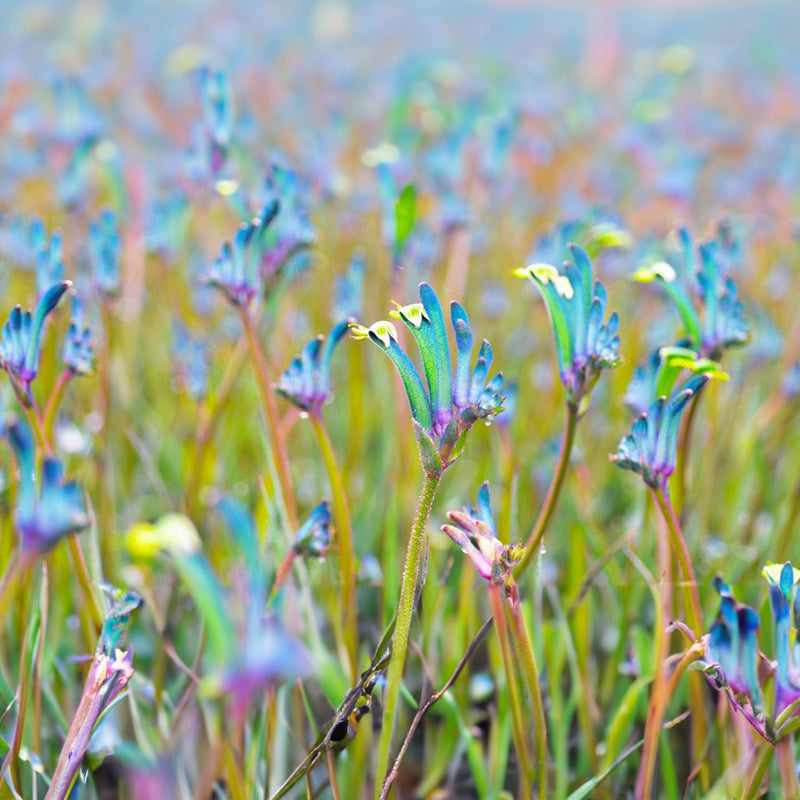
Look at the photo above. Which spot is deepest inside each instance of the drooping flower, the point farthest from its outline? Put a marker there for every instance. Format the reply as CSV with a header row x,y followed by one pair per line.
x,y
452,404
104,253
474,532
782,598
313,538
651,447
21,335
236,270
78,351
56,510
585,345
306,382
718,323
733,643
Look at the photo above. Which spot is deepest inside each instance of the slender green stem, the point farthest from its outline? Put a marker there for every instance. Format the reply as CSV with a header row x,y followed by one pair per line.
x,y
54,403
531,675
92,607
344,531
784,749
553,492
683,453
405,610
271,412
766,753
521,744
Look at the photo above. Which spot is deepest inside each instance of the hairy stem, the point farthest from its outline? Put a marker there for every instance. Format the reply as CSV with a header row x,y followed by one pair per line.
x,y
405,610
553,492
344,530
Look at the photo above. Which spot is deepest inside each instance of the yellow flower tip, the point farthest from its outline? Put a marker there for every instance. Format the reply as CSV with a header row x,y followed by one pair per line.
x,y
413,313
383,330
659,269
547,273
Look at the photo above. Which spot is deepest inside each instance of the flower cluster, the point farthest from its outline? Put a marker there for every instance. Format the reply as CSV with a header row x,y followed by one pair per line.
x,y
452,404
585,344
236,270
307,381
58,509
21,335
78,351
651,447
313,538
719,323
474,531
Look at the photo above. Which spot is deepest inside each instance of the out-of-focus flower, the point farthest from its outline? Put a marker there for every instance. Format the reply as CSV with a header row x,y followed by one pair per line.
x,y
293,231
120,604
651,447
49,256
165,226
56,510
348,298
191,361
733,643
475,533
235,272
78,351
21,335
104,253
452,404
657,376
782,598
307,381
217,114
313,538
585,344
719,323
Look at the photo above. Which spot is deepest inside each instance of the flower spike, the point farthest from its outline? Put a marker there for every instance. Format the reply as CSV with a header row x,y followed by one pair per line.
x,y
449,407
306,382
78,351
585,344
104,250
651,447
21,335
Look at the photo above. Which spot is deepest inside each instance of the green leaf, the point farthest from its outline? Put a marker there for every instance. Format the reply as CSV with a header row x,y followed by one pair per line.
x,y
405,214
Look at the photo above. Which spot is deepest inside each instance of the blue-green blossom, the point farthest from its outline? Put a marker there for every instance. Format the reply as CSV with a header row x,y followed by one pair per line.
x,y
651,447
307,381
104,253
783,600
452,403
313,538
56,510
78,351
705,296
576,304
21,335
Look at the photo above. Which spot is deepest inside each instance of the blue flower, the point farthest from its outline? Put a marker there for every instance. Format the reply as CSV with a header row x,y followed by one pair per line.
x,y
733,643
191,361
235,271
452,403
78,351
20,337
307,381
651,447
104,254
313,538
217,114
474,531
719,323
783,598
585,345
48,257
57,510
348,298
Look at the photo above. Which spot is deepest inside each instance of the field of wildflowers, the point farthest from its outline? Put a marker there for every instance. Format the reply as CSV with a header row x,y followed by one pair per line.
x,y
399,401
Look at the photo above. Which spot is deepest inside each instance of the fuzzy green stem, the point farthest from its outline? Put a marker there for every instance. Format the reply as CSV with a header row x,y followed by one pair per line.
x,y
553,492
344,531
277,442
405,610
521,744
531,674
